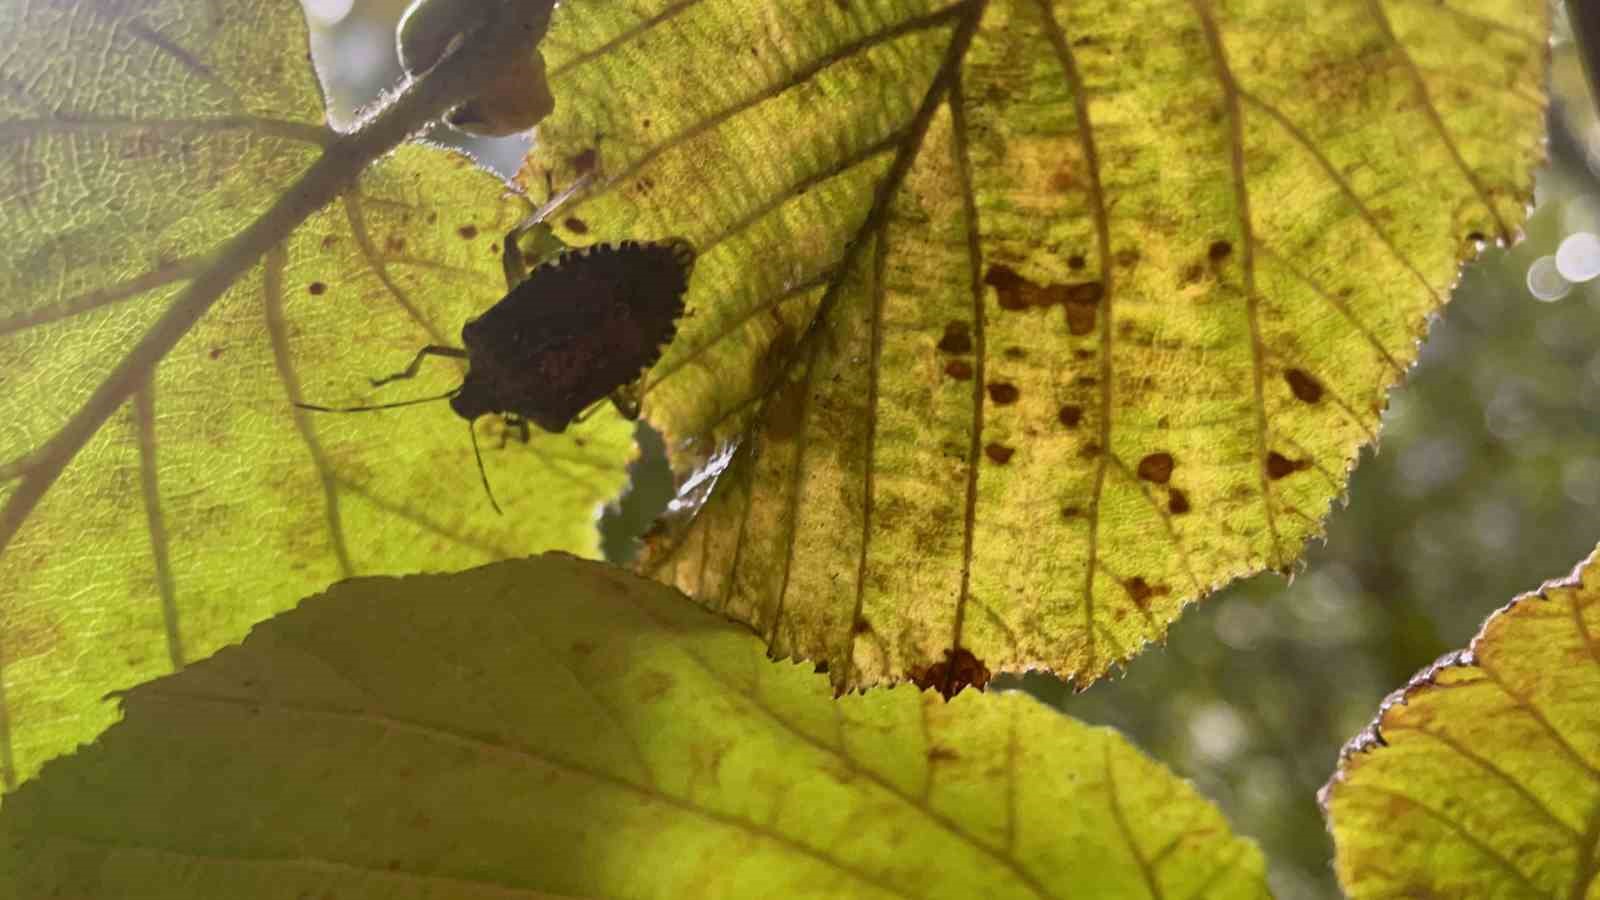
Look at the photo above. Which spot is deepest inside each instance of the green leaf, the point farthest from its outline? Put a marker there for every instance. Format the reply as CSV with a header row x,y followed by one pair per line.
x,y
1481,778
552,726
1038,320
170,281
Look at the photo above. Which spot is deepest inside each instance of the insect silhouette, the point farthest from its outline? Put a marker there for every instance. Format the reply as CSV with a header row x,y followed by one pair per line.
x,y
576,329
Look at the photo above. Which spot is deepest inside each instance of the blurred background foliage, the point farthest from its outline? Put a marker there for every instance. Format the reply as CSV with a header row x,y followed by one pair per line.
x,y
1486,485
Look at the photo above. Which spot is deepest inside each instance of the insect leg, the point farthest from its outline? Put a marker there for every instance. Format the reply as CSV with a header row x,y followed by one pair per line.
x,y
514,424
587,412
411,370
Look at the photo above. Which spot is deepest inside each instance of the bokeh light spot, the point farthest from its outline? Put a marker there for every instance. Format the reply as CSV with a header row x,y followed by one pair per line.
x,y
328,12
1578,257
1545,281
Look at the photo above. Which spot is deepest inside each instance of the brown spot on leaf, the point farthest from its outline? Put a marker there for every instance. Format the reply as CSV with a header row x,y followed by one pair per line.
x,y
316,289
1070,415
1003,394
958,670
771,364
1089,450
1477,237
958,369
1012,289
395,244
957,338
1177,502
1190,274
1075,262
1128,257
1015,353
861,626
938,753
1306,387
584,162
653,684
468,231
329,242
1139,590
1014,292
576,225
1219,251
1157,467
1062,180
999,454
786,411
1082,301
216,353
1280,466
1071,512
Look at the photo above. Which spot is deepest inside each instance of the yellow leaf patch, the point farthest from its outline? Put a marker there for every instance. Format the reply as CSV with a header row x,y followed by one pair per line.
x,y
1031,322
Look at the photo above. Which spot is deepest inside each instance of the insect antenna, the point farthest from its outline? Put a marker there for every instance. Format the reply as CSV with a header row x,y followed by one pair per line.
x,y
350,409
481,472
554,203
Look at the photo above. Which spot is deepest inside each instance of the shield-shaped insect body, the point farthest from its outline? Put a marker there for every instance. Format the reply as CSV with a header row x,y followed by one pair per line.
x,y
574,331
580,327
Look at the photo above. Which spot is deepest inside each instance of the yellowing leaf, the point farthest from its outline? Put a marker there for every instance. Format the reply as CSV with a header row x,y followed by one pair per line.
x,y
1481,778
1038,319
168,287
397,738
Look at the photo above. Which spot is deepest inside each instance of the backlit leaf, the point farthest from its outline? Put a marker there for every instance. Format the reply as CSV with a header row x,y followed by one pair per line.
x,y
1481,778
159,491
396,738
1039,320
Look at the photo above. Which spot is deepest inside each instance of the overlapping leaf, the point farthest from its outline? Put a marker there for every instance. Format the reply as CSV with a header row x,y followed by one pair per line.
x,y
1041,319
1481,778
144,148
396,738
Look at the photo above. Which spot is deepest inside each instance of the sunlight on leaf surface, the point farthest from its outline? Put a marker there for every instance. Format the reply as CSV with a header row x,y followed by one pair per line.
x,y
1481,778
138,140
645,749
1038,320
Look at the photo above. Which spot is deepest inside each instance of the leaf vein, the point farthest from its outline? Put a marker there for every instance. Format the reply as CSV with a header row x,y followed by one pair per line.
x,y
355,215
501,745
637,31
1241,188
1120,817
144,414
278,332
1344,186
796,78
1435,120
969,522
1488,766
868,491
1102,225
1467,837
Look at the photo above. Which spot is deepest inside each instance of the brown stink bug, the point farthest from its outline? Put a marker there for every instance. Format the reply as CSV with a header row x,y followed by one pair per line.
x,y
577,329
